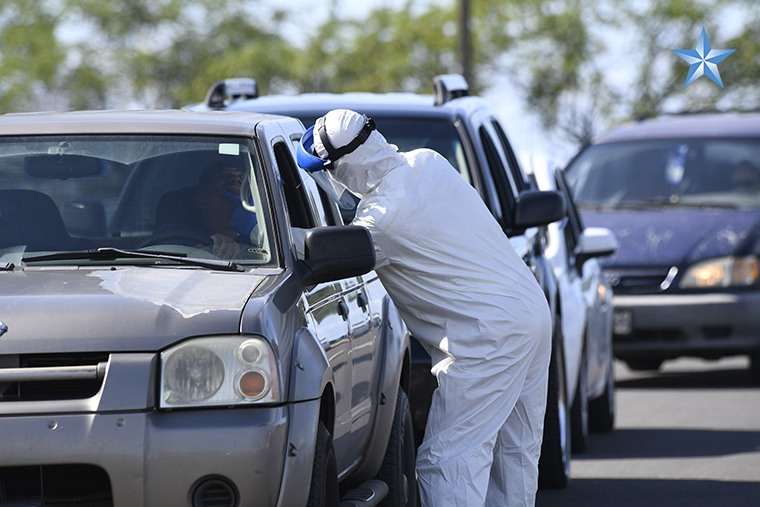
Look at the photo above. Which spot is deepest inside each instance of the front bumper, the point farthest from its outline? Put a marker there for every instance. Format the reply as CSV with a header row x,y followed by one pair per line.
x,y
141,457
156,458
702,325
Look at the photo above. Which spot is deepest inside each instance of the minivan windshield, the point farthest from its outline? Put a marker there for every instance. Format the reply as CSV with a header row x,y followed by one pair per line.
x,y
93,199
709,172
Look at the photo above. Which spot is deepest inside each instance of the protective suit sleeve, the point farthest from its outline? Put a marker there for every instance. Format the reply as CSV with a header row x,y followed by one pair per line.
x,y
373,216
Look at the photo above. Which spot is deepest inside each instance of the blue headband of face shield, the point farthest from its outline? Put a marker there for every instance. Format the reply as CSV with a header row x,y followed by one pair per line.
x,y
306,156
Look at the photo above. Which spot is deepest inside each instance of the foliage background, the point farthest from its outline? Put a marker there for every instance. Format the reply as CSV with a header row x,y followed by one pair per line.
x,y
577,67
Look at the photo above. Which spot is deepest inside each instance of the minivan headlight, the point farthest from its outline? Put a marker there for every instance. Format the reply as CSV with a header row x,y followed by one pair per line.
x,y
219,371
722,272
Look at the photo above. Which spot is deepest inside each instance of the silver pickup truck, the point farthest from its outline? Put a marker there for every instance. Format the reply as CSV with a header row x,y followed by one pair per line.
x,y
186,321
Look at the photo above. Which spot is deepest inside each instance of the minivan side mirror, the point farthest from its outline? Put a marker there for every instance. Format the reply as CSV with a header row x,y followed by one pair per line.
x,y
538,207
335,252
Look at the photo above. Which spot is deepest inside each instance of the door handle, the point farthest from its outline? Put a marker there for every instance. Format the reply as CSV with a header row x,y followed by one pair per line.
x,y
362,300
343,310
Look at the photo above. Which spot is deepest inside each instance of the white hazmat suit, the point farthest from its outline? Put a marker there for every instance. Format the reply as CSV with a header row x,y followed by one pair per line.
x,y
472,302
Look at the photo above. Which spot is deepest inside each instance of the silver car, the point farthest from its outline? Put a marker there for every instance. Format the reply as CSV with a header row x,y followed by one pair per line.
x,y
586,307
186,321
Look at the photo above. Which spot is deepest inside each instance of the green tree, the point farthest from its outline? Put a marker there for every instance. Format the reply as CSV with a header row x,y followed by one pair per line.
x,y
154,53
388,51
30,57
587,66
562,55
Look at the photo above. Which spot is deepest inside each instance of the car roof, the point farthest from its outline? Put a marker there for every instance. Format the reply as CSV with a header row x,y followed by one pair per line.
x,y
387,105
691,125
132,122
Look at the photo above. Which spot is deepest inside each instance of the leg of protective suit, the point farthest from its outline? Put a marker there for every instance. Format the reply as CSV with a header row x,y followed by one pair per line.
x,y
471,405
514,474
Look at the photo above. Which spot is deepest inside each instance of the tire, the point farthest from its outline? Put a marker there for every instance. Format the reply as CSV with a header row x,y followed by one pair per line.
x,y
579,411
399,466
324,475
554,463
601,410
640,364
754,367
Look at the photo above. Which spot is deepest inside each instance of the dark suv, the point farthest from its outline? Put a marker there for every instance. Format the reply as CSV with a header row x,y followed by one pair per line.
x,y
682,194
465,130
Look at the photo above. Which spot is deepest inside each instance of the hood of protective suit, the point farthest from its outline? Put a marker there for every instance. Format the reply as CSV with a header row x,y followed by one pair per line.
x,y
362,170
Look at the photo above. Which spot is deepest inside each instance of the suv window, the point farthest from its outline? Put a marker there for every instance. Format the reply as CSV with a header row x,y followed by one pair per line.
x,y
518,178
498,207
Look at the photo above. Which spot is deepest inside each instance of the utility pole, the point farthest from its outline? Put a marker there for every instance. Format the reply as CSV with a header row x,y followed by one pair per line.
x,y
465,45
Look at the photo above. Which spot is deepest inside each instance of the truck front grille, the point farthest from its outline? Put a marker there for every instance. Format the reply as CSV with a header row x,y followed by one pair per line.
x,y
55,485
39,377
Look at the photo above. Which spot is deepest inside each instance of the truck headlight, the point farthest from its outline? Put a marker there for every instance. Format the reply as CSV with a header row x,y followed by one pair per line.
x,y
722,272
219,371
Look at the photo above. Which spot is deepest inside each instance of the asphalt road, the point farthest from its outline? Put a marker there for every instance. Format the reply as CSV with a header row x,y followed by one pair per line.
x,y
687,436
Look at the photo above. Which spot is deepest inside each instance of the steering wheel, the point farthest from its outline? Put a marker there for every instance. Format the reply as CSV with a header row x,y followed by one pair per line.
x,y
178,235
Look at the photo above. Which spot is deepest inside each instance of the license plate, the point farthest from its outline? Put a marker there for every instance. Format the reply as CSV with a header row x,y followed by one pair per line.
x,y
623,322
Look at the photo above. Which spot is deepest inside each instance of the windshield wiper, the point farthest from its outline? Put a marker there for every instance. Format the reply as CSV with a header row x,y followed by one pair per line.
x,y
639,204
111,254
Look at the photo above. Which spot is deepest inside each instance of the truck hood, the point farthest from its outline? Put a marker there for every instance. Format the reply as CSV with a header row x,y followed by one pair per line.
x,y
124,309
668,236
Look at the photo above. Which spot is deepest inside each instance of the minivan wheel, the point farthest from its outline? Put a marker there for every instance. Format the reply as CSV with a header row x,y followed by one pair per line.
x,y
754,367
643,364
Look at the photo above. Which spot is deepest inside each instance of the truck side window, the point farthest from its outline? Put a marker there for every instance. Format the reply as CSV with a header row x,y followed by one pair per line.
x,y
326,209
299,208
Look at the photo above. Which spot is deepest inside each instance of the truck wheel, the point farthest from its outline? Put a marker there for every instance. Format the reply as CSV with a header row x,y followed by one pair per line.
x,y
399,465
554,463
324,475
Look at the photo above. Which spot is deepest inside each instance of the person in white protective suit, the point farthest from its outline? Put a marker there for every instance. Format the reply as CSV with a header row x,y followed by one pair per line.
x,y
465,294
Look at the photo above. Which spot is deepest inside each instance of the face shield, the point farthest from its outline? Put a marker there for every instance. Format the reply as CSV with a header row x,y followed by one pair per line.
x,y
321,169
